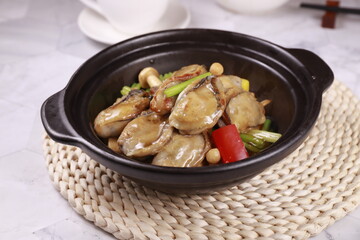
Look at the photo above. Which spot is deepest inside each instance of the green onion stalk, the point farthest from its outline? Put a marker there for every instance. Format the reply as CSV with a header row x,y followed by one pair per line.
x,y
175,90
267,124
254,141
125,90
164,76
265,135
251,148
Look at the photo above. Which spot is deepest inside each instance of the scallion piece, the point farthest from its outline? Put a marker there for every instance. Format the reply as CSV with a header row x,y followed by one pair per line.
x,y
267,124
135,86
175,90
164,76
251,148
125,90
250,139
265,135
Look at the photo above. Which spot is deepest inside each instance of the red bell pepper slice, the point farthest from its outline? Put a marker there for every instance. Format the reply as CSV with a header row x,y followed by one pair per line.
x,y
228,141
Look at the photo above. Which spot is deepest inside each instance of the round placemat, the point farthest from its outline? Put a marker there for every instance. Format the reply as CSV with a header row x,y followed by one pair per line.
x,y
296,198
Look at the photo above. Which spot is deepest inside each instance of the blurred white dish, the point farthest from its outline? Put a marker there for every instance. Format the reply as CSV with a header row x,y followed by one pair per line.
x,y
130,16
251,7
96,27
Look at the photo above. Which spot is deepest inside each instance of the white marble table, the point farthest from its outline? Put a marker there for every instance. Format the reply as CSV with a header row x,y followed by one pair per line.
x,y
41,46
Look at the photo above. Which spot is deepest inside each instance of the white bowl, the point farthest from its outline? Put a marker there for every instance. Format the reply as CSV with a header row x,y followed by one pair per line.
x,y
252,6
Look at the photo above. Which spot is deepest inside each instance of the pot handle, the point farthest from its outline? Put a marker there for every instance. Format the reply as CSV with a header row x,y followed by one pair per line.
x,y
57,127
319,70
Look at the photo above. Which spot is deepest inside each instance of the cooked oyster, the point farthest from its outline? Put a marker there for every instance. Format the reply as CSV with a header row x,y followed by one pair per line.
x,y
232,85
188,72
111,121
145,135
113,145
183,151
245,111
161,103
199,106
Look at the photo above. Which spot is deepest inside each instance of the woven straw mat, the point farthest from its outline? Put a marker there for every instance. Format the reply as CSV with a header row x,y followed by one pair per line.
x,y
296,198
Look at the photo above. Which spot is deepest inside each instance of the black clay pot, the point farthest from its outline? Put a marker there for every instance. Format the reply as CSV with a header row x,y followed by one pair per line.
x,y
294,79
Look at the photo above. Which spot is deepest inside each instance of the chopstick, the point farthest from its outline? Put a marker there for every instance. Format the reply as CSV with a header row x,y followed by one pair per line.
x,y
330,8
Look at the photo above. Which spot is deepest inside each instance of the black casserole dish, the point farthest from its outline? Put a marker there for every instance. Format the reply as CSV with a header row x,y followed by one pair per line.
x,y
294,79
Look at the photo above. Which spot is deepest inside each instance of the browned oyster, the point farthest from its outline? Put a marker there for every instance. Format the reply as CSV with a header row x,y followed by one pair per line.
x,y
161,103
145,135
232,85
199,106
111,121
245,111
113,145
183,151
188,72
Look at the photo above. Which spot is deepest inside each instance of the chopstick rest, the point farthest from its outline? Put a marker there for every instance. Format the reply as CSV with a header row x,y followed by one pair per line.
x,y
329,17
331,8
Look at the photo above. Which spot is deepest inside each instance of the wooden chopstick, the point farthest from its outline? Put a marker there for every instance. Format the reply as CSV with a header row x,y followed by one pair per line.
x,y
331,8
